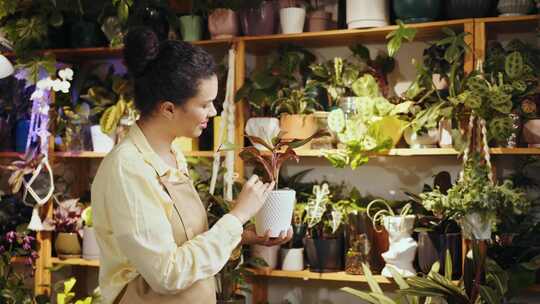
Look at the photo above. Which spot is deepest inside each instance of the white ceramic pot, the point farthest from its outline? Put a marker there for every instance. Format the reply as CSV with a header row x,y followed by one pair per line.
x,y
276,213
268,253
531,133
101,141
439,81
292,259
90,248
402,250
419,141
514,7
292,20
264,127
445,130
475,227
367,13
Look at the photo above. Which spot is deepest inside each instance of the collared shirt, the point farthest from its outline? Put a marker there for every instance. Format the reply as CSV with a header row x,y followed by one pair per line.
x,y
131,219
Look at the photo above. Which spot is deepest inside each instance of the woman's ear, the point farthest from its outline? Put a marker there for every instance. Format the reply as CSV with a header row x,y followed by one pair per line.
x,y
166,109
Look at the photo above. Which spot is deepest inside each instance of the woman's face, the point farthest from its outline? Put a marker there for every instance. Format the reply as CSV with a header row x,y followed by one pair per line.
x,y
193,116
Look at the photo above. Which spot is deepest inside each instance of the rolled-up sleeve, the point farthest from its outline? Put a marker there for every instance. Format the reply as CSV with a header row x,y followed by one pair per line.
x,y
144,234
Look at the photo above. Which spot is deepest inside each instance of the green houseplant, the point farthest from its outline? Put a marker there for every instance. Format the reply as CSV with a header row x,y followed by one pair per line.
x,y
374,124
67,223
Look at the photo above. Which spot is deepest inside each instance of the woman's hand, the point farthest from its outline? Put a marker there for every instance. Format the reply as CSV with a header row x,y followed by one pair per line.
x,y
250,237
251,199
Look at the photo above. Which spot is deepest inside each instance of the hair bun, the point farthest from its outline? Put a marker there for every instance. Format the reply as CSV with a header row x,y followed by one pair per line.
x,y
141,46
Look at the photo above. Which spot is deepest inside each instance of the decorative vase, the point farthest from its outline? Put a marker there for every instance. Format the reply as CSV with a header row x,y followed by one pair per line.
x,y
67,245
276,213
318,21
531,133
420,141
259,21
292,20
191,27
90,248
298,127
325,255
475,227
292,259
415,11
101,142
265,128
462,9
22,128
400,255
514,7
268,253
223,24
445,136
367,13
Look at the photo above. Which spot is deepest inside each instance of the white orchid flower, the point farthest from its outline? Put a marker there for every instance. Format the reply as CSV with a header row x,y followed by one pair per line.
x,y
66,74
37,95
45,83
64,86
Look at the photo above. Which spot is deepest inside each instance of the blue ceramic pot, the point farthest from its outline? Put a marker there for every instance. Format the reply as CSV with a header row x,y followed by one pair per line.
x,y
415,11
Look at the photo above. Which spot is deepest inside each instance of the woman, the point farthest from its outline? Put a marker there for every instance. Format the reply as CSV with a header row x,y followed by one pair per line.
x,y
150,222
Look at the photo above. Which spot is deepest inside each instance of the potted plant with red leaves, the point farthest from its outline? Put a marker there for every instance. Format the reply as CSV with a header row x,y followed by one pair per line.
x,y
67,222
276,214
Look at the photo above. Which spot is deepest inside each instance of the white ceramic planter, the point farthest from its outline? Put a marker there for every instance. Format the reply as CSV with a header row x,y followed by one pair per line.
x,y
268,253
426,140
90,248
276,213
263,127
474,226
445,130
292,20
101,141
402,250
514,7
292,259
367,13
531,133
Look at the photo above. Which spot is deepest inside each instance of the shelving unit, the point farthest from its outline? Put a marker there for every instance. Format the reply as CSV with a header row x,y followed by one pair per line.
x,y
261,45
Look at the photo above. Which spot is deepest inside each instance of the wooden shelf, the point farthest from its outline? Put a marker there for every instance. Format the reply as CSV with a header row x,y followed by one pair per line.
x,y
392,152
75,262
515,151
510,24
308,275
11,155
426,31
103,53
18,260
91,154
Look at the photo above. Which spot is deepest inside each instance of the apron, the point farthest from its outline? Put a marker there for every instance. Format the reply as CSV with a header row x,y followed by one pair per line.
x,y
188,220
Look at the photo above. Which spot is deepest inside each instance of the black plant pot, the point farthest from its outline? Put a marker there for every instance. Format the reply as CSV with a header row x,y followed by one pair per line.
x,y
299,232
325,255
377,241
432,247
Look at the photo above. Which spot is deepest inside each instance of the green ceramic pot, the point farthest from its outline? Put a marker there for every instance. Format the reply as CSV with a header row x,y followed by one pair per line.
x,y
191,27
415,11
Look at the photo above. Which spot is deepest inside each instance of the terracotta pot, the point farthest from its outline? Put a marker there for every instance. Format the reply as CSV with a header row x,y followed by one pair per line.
x,y
318,21
298,127
259,21
531,133
223,24
67,245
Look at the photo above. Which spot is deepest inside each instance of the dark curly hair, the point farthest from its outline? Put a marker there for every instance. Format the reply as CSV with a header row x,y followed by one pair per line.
x,y
170,70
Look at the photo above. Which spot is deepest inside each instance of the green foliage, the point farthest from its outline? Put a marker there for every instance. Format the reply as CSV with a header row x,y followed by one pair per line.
x,y
376,125
285,70
337,76
65,295
300,101
122,9
396,37
33,69
475,193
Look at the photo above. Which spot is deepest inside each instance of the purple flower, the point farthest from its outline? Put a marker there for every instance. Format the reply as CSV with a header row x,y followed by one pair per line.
x,y
27,246
34,255
11,236
2,249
